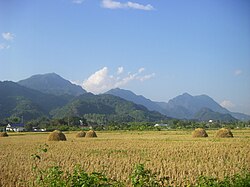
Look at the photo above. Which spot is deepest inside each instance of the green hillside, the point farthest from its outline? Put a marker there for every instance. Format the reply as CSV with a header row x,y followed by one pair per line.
x,y
206,114
112,107
16,100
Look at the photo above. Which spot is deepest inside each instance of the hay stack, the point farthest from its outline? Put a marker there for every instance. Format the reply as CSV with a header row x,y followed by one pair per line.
x,y
3,134
224,133
81,134
57,135
199,133
91,134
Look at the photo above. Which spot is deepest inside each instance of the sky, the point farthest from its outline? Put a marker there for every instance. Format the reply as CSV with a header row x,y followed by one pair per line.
x,y
158,49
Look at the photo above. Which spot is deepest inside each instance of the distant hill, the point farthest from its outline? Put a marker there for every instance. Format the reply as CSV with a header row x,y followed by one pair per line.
x,y
184,106
138,99
240,116
114,108
187,106
52,83
52,95
16,100
206,114
195,103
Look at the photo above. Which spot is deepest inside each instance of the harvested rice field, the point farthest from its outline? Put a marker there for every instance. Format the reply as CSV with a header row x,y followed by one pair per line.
x,y
175,154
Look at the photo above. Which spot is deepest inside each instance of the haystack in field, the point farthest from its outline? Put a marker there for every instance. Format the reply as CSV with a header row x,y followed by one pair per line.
x,y
224,133
199,133
3,134
91,134
57,135
80,134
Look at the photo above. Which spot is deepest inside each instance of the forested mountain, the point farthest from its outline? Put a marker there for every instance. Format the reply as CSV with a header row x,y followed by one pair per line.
x,y
195,103
52,96
114,108
138,99
187,106
206,114
184,106
16,100
52,83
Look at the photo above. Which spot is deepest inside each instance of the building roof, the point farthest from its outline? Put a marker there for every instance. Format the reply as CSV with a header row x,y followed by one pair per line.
x,y
17,125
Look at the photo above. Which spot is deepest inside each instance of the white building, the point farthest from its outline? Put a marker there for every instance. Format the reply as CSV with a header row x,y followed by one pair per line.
x,y
160,125
15,127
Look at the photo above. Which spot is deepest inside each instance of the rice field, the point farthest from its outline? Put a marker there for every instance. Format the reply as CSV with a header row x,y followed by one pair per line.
x,y
175,154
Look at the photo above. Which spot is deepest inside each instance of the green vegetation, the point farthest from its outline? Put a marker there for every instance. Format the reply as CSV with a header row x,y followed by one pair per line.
x,y
102,112
141,177
17,101
54,176
206,114
104,108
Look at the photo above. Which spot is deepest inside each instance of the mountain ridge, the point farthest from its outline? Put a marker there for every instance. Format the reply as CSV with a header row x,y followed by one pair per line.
x,y
17,101
206,114
184,106
52,83
138,99
113,107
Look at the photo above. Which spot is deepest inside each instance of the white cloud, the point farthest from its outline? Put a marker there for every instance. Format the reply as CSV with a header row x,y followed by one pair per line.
x,y
118,5
227,104
101,81
146,77
8,36
4,46
139,6
112,4
120,70
77,1
141,70
237,72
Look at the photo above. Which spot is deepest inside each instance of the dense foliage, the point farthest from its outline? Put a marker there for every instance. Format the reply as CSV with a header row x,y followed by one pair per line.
x,y
17,101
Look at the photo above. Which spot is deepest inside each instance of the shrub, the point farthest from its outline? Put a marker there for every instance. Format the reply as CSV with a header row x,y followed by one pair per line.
x,y
224,133
3,134
199,132
80,134
237,180
142,177
91,134
57,136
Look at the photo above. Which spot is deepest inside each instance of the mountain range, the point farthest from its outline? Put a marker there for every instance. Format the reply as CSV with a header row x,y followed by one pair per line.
x,y
32,102
53,96
184,106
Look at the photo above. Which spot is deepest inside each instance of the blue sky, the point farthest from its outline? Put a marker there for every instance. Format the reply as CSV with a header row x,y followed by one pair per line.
x,y
159,49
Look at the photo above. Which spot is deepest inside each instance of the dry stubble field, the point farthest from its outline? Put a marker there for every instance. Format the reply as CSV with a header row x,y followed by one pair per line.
x,y
169,153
